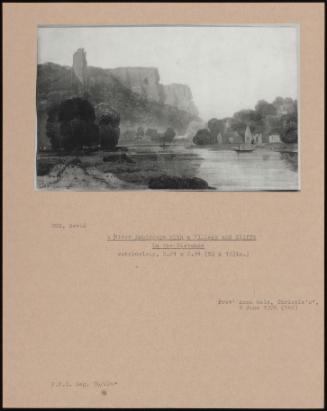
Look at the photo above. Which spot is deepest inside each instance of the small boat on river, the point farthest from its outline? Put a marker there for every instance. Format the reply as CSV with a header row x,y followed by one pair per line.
x,y
248,144
245,148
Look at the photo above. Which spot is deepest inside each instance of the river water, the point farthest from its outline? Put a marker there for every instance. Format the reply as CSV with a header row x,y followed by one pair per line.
x,y
261,169
227,170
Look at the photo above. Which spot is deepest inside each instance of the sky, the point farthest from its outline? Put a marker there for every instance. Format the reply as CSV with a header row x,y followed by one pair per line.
x,y
228,68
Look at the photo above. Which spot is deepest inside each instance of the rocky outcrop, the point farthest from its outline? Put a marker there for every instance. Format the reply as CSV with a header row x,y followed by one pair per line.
x,y
141,80
145,81
180,96
80,69
54,84
134,92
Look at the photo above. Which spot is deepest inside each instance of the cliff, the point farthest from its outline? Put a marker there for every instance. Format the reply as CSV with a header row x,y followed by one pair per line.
x,y
56,83
80,67
144,81
180,96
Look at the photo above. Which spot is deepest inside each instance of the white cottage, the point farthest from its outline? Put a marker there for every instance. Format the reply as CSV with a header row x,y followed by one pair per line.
x,y
258,138
274,138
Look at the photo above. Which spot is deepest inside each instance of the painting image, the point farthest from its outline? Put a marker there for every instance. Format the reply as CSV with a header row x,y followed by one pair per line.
x,y
178,108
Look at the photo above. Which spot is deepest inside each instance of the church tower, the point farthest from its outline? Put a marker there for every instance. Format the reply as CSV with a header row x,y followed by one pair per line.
x,y
248,136
79,72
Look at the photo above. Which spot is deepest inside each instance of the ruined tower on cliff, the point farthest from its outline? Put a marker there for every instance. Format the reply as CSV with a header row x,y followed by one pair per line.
x,y
79,72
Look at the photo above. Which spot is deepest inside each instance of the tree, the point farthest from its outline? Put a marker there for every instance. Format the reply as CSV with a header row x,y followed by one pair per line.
x,y
140,133
104,109
237,126
169,135
70,125
76,108
108,120
289,132
215,126
264,108
244,118
202,137
272,125
53,127
285,105
152,133
109,131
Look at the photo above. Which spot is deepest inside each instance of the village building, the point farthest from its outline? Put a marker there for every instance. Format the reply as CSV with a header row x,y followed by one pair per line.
x,y
248,138
257,138
274,138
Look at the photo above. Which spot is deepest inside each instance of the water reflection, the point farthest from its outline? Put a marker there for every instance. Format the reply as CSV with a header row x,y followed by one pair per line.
x,y
291,160
228,170
258,170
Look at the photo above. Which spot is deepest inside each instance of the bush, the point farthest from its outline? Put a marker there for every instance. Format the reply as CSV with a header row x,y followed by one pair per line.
x,y
265,109
78,133
43,167
165,182
202,137
289,132
290,137
107,115
153,134
169,135
128,135
76,108
140,133
109,130
53,132
70,125
109,135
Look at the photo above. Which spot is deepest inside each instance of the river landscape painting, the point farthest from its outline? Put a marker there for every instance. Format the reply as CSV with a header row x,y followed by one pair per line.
x,y
179,108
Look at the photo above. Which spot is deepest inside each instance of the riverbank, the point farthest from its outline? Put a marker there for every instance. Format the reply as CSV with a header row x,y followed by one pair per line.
x,y
134,167
106,171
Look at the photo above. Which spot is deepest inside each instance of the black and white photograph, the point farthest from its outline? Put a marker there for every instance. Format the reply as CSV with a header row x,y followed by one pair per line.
x,y
164,205
179,108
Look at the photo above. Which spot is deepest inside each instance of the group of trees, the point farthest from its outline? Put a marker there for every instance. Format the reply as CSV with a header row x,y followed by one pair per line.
x,y
54,84
289,129
279,117
164,138
73,125
210,134
108,120
203,137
